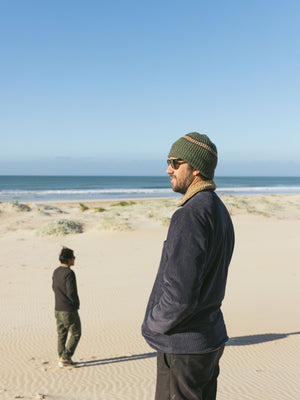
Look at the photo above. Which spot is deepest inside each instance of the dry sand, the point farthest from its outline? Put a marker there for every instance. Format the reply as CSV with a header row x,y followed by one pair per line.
x,y
117,256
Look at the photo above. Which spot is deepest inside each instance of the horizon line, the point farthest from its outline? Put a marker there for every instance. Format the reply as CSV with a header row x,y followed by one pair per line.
x,y
145,176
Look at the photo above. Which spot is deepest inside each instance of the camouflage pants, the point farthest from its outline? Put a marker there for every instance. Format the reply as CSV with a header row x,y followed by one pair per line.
x,y
68,322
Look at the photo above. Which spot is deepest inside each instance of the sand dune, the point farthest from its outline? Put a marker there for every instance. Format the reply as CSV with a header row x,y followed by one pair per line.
x,y
117,256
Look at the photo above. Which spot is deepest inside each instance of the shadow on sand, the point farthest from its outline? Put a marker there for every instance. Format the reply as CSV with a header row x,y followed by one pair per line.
x,y
134,357
257,339
236,341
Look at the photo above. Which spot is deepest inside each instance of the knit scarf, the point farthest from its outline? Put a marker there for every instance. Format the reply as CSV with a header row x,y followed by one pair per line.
x,y
195,188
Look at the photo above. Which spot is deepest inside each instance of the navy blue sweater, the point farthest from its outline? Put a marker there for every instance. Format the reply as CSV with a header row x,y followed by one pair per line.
x,y
183,315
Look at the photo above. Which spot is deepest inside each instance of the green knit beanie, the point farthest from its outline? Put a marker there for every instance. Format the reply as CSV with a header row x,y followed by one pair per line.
x,y
198,151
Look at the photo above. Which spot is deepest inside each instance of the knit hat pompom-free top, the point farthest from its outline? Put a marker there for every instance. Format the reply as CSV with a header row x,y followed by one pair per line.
x,y
198,151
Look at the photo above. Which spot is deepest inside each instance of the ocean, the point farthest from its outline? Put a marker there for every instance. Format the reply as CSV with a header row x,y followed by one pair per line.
x,y
62,188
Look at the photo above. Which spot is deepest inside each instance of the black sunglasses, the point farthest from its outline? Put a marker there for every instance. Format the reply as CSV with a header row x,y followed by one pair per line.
x,y
175,162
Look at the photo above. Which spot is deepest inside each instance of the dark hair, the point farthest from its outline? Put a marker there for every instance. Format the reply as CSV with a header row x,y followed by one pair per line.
x,y
65,255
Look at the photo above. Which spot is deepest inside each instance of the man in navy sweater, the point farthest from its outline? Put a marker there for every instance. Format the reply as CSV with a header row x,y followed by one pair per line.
x,y
183,320
66,307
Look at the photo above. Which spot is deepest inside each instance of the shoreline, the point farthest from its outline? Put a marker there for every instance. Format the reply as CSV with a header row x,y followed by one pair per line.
x,y
175,196
233,192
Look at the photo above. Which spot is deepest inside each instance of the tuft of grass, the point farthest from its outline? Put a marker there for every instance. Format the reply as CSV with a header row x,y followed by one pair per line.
x,y
124,203
21,207
99,209
61,227
48,207
83,207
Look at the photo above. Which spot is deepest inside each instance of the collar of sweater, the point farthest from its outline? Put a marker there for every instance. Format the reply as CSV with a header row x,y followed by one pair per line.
x,y
195,188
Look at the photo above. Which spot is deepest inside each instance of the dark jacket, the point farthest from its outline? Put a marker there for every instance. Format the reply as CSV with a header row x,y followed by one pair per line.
x,y
65,289
183,315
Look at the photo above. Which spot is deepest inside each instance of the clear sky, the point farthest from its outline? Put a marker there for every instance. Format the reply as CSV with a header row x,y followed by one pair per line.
x,y
105,87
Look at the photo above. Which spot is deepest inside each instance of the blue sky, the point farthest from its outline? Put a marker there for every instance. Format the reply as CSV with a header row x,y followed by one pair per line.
x,y
105,87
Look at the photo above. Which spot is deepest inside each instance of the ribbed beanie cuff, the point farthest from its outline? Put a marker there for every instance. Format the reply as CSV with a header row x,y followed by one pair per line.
x,y
198,151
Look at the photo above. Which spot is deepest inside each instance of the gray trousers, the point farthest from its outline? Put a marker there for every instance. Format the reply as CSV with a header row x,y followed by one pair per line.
x,y
68,322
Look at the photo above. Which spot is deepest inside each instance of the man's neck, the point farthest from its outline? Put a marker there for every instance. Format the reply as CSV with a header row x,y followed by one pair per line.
x,y
196,187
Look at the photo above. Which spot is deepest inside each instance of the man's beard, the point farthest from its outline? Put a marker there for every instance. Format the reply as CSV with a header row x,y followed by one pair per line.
x,y
180,185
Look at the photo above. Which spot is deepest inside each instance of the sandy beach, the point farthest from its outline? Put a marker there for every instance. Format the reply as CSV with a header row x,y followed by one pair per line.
x,y
118,246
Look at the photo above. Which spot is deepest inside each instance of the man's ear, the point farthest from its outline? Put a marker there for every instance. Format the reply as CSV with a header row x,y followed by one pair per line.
x,y
196,172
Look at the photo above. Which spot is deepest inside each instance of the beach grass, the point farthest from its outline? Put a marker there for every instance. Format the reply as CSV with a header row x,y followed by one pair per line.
x,y
61,227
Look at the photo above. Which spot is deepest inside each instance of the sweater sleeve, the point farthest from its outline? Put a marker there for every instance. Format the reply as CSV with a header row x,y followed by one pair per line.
x,y
71,288
186,252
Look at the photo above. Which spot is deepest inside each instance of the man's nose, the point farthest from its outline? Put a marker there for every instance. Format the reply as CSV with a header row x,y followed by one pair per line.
x,y
169,170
